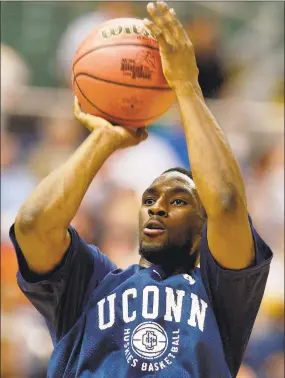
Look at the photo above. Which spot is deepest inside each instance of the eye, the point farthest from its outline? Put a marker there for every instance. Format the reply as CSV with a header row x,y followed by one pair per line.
x,y
178,202
149,201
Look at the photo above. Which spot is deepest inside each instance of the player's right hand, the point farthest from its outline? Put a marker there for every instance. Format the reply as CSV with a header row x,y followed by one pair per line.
x,y
176,50
122,136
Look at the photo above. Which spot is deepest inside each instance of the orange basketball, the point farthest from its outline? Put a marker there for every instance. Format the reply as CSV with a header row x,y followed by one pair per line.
x,y
117,74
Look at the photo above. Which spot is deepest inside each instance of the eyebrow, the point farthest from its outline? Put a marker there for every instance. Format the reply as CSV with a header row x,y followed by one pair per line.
x,y
180,189
176,190
149,191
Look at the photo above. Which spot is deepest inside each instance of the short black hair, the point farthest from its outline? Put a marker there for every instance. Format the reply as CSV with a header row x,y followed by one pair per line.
x,y
184,171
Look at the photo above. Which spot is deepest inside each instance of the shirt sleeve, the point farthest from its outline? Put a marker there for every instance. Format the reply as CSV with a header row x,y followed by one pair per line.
x,y
235,296
61,295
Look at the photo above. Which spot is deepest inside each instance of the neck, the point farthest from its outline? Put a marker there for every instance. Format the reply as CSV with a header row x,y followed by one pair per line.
x,y
145,263
168,269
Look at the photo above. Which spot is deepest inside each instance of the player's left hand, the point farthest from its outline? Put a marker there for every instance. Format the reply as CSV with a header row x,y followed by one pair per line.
x,y
176,50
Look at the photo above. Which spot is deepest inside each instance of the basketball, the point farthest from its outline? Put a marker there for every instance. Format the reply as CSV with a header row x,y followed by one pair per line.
x,y
117,74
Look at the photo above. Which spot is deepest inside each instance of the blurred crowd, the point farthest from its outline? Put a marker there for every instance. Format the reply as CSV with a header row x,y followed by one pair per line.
x,y
32,146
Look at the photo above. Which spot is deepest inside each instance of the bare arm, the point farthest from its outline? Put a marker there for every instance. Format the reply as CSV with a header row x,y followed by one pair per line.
x,y
42,221
215,169
219,183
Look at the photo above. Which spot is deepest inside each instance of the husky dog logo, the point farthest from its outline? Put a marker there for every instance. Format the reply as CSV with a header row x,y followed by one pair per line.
x,y
149,340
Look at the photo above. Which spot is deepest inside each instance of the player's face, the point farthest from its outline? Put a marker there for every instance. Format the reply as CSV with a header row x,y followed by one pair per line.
x,y
170,219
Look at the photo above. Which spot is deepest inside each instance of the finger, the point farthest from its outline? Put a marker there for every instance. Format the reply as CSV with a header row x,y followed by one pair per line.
x,y
144,135
138,134
160,22
81,116
152,27
170,21
78,113
141,134
76,106
156,32
162,6
176,28
84,119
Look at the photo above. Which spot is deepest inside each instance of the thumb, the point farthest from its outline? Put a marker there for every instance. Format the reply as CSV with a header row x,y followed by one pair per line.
x,y
141,133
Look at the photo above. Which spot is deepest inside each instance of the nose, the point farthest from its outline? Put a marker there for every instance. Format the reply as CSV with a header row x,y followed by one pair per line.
x,y
157,209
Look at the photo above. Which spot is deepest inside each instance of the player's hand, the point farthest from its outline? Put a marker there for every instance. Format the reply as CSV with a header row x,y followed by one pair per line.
x,y
176,50
123,137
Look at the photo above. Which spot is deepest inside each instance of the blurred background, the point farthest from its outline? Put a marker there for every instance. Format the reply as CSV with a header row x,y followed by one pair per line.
x,y
240,54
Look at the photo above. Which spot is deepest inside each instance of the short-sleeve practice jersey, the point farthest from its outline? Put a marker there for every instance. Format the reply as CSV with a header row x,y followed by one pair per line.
x,y
139,322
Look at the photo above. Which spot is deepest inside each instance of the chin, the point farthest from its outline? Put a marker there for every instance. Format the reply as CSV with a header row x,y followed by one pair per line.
x,y
157,253
151,250
162,253
152,246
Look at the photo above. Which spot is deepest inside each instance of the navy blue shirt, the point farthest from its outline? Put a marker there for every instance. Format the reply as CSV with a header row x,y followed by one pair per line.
x,y
140,322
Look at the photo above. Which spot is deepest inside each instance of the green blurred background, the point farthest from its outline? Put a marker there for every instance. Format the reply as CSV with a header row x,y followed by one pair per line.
x,y
240,54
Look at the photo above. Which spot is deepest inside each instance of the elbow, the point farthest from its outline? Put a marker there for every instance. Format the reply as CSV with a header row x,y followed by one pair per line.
x,y
229,201
26,221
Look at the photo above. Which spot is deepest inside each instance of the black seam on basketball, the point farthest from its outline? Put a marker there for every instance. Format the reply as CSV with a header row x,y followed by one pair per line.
x,y
114,44
123,84
111,115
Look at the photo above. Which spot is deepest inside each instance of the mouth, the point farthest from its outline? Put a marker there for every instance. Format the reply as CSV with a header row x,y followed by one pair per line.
x,y
154,228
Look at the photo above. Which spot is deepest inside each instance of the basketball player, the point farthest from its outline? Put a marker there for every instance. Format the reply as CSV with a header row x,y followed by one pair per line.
x,y
165,317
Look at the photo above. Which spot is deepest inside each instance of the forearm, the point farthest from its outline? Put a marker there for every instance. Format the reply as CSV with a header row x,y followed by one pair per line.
x,y
55,201
215,170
